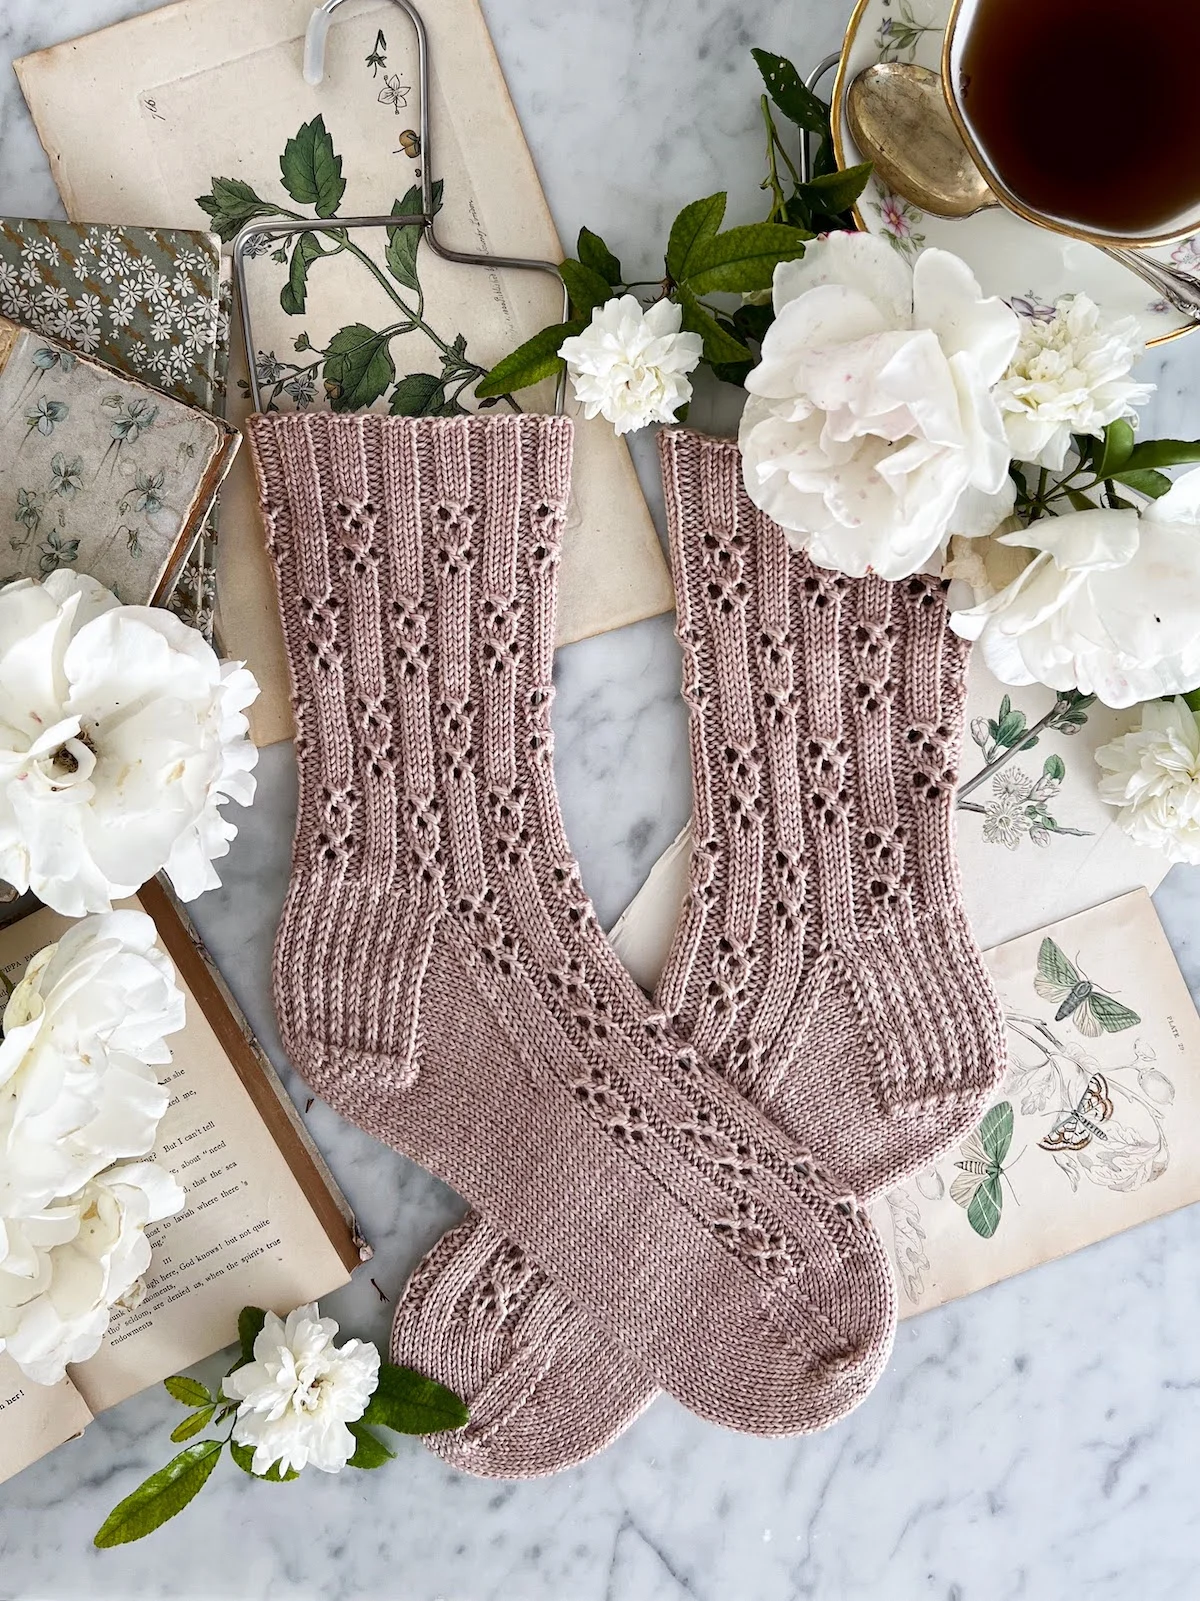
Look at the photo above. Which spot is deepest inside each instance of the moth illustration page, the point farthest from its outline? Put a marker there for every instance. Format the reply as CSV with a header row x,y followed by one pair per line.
x,y
197,114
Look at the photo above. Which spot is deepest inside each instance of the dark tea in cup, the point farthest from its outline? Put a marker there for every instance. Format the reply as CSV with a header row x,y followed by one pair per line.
x,y
1082,112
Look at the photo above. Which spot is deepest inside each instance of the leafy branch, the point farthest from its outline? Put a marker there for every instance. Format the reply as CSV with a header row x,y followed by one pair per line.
x,y
1102,464
1003,737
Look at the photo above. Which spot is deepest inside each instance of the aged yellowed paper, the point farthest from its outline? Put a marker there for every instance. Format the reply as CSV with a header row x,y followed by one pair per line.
x,y
34,1418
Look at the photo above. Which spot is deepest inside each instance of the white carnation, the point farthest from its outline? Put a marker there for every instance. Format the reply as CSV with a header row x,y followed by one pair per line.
x,y
300,1392
1069,376
871,434
1152,777
630,366
1107,603
121,735
62,1269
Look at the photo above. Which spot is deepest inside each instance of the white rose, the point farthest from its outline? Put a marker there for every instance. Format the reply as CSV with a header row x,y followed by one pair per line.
x,y
1152,777
83,1031
121,735
299,1393
871,433
64,1268
630,366
1069,376
1107,604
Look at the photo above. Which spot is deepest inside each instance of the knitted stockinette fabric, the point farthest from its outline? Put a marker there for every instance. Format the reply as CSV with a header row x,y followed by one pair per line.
x,y
440,976
823,961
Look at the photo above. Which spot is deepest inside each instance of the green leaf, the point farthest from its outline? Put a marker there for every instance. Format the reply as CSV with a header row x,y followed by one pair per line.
x,y
455,361
594,253
1005,706
741,260
720,347
1054,767
312,173
1193,699
836,192
292,295
370,1451
250,1325
192,1424
243,1455
409,1403
1116,449
231,204
360,366
420,394
1144,480
161,1496
586,287
789,92
536,359
1080,501
1011,729
404,242
752,322
188,1392
1163,453
694,225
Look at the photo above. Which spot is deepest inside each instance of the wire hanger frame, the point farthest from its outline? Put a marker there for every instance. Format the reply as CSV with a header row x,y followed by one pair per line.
x,y
281,227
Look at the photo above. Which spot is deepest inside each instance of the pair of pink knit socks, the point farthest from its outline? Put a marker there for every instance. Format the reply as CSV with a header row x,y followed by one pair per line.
x,y
669,1195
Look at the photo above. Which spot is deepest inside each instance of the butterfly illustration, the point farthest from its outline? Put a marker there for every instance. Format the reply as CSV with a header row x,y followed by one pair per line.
x,y
1078,1128
394,93
976,1186
1089,1008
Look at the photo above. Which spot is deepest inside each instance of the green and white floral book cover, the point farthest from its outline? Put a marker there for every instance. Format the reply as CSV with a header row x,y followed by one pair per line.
x,y
150,301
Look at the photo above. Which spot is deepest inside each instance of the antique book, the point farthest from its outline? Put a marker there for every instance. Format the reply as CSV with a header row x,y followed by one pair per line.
x,y
150,301
197,114
263,1221
99,471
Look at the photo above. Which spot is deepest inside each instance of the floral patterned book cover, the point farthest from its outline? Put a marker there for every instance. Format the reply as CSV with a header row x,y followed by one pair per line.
x,y
150,301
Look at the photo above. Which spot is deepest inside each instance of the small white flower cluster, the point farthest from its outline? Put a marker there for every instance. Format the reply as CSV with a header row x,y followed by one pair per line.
x,y
80,1104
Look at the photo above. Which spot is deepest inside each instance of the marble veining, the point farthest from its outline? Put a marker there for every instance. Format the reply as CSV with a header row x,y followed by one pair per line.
x,y
1038,1440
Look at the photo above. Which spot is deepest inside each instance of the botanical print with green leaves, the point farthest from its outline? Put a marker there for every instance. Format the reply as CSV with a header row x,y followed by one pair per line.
x,y
1018,807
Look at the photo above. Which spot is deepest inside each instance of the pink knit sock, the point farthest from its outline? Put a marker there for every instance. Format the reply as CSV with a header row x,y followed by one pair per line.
x,y
823,961
440,977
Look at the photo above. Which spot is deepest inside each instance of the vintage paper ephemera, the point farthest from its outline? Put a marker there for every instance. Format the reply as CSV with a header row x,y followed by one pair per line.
x,y
262,1224
104,474
1035,842
140,119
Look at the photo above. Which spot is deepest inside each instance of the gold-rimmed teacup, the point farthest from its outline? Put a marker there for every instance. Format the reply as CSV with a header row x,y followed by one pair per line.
x,y
956,79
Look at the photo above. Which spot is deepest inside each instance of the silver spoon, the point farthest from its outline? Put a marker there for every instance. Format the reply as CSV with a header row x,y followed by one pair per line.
x,y
902,125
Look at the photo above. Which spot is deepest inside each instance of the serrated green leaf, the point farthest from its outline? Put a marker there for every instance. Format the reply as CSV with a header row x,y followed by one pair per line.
x,y
1144,480
585,286
741,260
594,253
404,242
1054,767
720,347
1163,453
530,363
359,365
370,1452
692,227
420,394
311,169
837,191
1116,448
188,1392
790,93
250,1325
243,1455
231,204
409,1403
293,294
160,1497
192,1424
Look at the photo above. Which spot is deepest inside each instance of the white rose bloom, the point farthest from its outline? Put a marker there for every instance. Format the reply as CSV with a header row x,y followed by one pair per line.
x,y
299,1393
1107,604
871,433
630,366
1069,376
63,1269
1152,777
121,735
83,1031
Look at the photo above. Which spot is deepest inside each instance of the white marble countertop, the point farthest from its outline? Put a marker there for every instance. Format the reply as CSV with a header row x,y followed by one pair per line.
x,y
1037,1440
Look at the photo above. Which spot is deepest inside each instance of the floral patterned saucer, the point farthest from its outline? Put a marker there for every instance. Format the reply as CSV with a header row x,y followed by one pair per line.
x,y
1027,265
